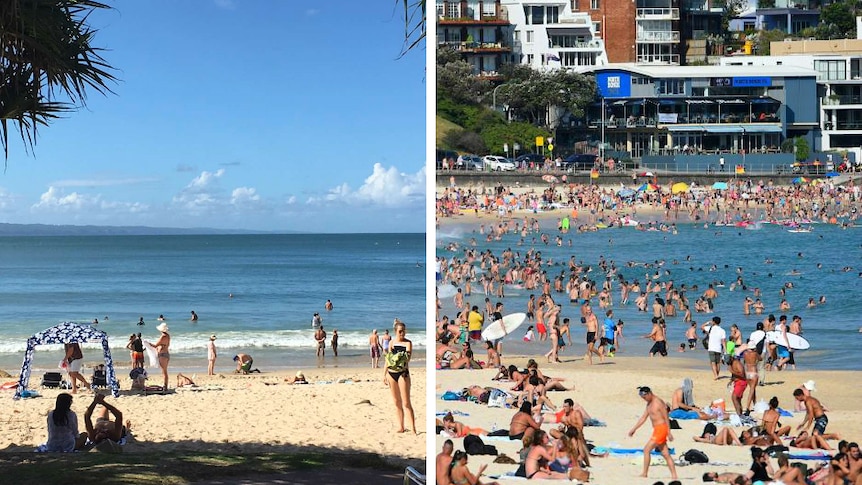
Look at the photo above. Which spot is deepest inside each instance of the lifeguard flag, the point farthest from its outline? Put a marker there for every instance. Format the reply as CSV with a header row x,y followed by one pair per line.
x,y
740,169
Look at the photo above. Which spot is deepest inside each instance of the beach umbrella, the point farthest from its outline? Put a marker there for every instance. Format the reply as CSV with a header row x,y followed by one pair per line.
x,y
720,186
645,174
679,187
799,180
549,178
832,174
643,187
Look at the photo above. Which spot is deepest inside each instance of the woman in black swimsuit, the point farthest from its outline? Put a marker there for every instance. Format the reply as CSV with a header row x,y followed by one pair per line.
x,y
397,374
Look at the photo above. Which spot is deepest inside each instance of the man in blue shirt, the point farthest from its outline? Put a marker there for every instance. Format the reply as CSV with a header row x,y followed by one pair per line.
x,y
608,331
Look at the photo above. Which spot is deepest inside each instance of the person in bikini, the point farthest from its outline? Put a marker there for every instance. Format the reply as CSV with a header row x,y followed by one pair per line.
x,y
656,411
396,375
459,429
522,423
539,454
163,347
771,426
104,434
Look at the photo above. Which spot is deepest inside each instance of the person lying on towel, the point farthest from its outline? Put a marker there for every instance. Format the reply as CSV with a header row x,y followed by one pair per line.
x,y
104,434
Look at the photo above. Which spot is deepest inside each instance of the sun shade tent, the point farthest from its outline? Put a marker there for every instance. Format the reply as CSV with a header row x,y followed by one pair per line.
x,y
66,333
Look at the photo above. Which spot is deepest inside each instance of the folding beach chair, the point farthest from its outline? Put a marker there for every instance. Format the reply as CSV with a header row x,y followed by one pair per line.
x,y
413,477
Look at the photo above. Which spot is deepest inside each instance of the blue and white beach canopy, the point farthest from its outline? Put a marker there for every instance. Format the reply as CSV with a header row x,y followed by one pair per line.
x,y
66,333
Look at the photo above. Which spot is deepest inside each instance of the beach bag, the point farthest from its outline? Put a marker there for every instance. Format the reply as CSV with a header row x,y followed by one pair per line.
x,y
705,340
474,445
497,398
695,456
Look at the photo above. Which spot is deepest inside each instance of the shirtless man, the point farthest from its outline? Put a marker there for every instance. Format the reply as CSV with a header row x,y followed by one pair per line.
x,y
691,335
320,337
444,460
657,308
656,410
103,429
658,337
738,383
677,401
374,346
592,324
570,417
814,413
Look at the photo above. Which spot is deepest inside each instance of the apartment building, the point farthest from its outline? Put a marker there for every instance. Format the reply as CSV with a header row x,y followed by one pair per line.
x,y
479,30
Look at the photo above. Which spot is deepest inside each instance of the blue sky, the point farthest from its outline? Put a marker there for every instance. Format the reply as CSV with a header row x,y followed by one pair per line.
x,y
238,114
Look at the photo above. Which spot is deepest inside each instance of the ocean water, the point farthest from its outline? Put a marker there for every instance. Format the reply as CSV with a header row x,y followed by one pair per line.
x,y
832,328
277,282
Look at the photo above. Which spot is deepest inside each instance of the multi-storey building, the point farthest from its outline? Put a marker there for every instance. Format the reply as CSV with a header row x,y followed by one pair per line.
x,y
838,64
548,35
479,30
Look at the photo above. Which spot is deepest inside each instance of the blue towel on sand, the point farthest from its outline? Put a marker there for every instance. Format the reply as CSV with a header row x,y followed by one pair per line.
x,y
627,451
783,412
816,456
451,396
682,414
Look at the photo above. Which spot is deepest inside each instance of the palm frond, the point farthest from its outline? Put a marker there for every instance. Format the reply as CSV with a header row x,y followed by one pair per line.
x,y
415,20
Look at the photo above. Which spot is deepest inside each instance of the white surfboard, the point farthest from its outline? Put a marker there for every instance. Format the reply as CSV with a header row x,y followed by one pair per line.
x,y
501,328
755,338
795,341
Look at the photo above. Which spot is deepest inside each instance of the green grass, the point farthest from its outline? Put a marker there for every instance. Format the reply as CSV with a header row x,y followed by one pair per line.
x,y
169,469
444,126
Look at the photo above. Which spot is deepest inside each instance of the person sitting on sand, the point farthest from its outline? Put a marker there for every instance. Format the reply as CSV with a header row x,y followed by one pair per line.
x,y
185,381
299,378
63,427
786,474
753,437
682,403
448,356
771,427
522,423
104,434
459,474
538,458
244,363
458,429
444,462
717,436
567,458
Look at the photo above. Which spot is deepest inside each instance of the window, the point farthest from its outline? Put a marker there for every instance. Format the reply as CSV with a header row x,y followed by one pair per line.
x,y
574,5
831,70
517,36
453,10
529,59
489,9
553,15
594,4
597,28
670,86
529,36
538,15
855,68
439,10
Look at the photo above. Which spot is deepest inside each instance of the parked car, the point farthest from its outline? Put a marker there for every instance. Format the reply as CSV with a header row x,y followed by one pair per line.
x,y
470,162
526,158
579,161
814,168
495,162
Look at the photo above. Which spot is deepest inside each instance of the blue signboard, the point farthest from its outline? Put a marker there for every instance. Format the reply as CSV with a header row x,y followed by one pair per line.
x,y
614,84
752,82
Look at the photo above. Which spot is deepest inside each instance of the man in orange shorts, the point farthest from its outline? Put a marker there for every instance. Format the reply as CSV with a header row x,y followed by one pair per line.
x,y
656,410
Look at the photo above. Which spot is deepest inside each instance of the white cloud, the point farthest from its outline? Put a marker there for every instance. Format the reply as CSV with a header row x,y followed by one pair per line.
x,y
205,179
55,200
385,187
244,195
204,195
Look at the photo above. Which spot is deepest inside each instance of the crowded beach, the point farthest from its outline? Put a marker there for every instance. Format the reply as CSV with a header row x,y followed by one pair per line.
x,y
567,397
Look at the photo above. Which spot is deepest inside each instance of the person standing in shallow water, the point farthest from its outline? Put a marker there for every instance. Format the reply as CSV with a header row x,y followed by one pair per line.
x,y
212,354
397,375
194,317
334,342
320,337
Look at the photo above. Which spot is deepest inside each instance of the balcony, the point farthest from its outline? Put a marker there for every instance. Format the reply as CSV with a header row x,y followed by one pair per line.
x,y
595,44
455,16
658,60
658,14
841,100
657,36
476,47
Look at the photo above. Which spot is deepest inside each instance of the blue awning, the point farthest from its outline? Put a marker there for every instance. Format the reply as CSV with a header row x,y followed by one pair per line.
x,y
688,128
723,128
764,128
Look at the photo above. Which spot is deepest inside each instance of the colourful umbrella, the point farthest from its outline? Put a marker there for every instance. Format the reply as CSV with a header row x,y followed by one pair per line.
x,y
679,188
720,186
799,180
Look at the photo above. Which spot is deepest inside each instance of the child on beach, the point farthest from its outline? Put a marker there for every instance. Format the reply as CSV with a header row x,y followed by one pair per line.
x,y
528,337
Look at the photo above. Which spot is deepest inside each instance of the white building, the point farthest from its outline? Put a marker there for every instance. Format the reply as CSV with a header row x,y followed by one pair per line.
x,y
839,85
548,35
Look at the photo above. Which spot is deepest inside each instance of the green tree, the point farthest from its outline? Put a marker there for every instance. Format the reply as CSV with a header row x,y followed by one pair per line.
x,y
46,54
530,94
730,10
837,21
765,38
466,141
524,134
456,80
802,150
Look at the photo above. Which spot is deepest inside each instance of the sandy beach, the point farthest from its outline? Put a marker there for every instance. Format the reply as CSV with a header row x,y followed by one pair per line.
x,y
344,409
608,393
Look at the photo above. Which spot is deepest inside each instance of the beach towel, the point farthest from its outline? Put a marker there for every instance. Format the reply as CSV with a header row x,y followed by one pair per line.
x,y
688,392
152,354
819,455
454,413
594,422
784,412
451,396
627,451
682,414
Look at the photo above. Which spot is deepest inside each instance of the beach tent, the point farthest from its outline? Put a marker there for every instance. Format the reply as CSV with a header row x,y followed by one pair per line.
x,y
66,333
720,186
679,187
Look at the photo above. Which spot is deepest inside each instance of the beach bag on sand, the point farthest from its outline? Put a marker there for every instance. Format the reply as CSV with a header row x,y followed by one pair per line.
x,y
474,445
497,398
695,456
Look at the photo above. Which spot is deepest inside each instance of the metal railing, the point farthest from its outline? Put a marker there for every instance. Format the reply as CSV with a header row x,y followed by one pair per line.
x,y
657,36
658,59
658,13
